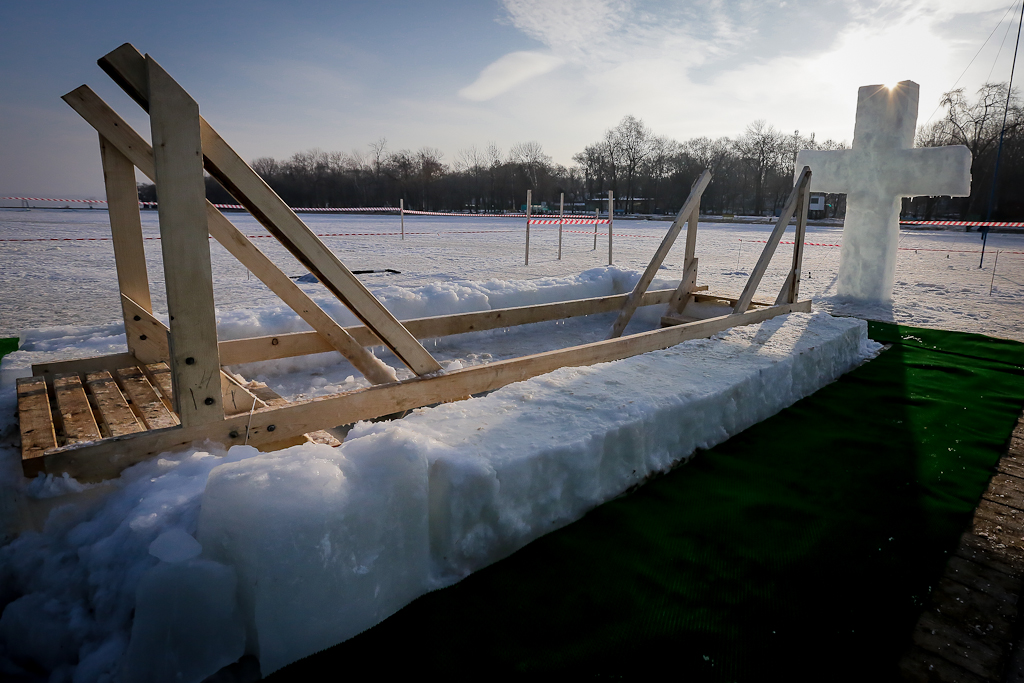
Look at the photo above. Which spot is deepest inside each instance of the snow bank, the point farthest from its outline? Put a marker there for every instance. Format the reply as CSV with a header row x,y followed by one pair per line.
x,y
188,560
328,542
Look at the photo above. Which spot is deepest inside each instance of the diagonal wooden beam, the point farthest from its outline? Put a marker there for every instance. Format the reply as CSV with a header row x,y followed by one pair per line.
x,y
803,181
246,186
685,213
122,138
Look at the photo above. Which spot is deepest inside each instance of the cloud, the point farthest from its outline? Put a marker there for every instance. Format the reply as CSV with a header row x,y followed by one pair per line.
x,y
507,72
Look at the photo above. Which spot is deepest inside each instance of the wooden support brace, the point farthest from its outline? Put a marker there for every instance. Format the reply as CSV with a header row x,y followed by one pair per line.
x,y
98,114
691,204
684,292
245,185
125,224
773,241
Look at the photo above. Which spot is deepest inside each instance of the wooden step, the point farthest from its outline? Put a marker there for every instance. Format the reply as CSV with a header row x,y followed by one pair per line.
x,y
77,420
116,417
145,402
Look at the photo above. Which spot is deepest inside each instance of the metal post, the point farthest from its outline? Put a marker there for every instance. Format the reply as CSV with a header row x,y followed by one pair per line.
x,y
611,213
529,199
561,218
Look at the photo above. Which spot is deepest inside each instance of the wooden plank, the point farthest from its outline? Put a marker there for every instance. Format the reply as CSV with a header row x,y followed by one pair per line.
x,y
75,412
529,200
224,164
107,458
159,375
125,224
1006,489
36,422
237,399
956,644
115,414
271,347
98,114
685,213
773,241
177,159
83,365
144,399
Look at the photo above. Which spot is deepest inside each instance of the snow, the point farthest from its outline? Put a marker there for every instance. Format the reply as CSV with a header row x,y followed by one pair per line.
x,y
285,539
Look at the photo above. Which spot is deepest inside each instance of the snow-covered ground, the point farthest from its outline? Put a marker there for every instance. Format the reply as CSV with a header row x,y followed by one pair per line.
x,y
938,282
262,550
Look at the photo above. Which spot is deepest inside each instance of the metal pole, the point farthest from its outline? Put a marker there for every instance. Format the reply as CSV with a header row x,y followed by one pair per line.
x,y
611,213
999,150
993,280
561,218
401,207
529,199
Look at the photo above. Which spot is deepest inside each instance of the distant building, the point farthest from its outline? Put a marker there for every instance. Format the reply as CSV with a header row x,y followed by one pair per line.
x,y
816,208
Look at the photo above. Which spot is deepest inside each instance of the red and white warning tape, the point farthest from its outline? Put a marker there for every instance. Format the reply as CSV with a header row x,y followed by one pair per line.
x,y
990,224
566,221
44,199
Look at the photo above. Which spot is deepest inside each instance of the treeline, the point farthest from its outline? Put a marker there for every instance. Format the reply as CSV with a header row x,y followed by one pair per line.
x,y
647,172
977,123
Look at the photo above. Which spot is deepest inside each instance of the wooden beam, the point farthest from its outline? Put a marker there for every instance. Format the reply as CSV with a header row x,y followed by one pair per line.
x,y
98,114
125,224
245,185
75,412
177,160
36,422
801,233
273,347
773,241
686,212
107,458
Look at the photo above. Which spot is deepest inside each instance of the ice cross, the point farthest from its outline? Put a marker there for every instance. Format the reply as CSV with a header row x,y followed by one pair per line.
x,y
881,169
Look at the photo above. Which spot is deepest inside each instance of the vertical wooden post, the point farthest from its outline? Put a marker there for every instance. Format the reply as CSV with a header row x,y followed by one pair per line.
x,y
125,224
529,199
185,240
611,214
561,219
798,242
401,208
597,219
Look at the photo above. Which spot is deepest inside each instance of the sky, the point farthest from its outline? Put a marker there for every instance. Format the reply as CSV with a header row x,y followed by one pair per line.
x,y
277,78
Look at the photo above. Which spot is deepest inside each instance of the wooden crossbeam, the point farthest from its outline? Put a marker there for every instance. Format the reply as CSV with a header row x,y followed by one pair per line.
x,y
792,203
105,459
246,186
122,137
691,204
274,347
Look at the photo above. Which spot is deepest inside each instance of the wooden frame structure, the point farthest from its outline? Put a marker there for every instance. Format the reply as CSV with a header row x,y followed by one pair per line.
x,y
93,417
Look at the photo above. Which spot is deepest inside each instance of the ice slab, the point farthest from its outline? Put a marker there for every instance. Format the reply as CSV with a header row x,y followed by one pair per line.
x,y
327,542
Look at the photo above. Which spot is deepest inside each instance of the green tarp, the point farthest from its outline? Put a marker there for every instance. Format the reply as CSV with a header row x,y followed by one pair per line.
x,y
802,549
7,345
